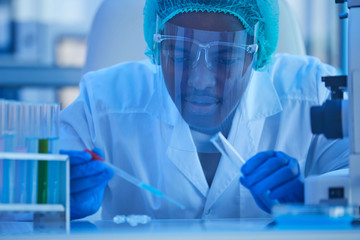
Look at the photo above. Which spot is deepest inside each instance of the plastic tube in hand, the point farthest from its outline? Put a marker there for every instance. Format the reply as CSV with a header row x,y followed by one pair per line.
x,y
126,176
226,149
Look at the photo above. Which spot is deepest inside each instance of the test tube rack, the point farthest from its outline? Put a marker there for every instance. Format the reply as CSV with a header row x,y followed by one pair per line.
x,y
52,217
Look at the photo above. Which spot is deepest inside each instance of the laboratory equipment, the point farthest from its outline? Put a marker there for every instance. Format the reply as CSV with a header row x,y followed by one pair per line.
x,y
47,189
331,188
328,217
28,191
131,179
20,146
9,137
330,119
227,150
350,118
53,144
42,187
32,145
354,100
45,217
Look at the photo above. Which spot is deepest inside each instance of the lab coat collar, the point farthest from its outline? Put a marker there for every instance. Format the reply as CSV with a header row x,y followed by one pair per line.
x,y
182,152
181,149
260,99
160,104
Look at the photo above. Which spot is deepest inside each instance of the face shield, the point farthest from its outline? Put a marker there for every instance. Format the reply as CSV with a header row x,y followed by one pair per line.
x,y
205,72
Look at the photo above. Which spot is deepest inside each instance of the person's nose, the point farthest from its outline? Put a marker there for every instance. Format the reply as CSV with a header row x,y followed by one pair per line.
x,y
201,77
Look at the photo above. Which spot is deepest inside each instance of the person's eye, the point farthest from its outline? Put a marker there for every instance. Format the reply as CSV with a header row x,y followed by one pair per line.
x,y
179,55
229,58
226,60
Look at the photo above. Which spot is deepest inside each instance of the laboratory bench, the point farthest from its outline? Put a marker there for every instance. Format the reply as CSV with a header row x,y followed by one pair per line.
x,y
187,230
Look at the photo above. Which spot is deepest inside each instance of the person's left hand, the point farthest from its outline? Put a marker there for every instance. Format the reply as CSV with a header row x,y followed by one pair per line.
x,y
276,173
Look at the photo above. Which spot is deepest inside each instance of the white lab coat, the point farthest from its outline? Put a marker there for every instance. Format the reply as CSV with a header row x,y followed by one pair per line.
x,y
119,110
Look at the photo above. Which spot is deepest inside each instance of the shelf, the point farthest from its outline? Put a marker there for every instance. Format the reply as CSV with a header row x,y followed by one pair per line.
x,y
33,156
21,76
31,208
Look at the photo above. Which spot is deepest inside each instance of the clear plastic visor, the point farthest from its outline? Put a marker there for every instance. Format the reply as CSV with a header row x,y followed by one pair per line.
x,y
205,72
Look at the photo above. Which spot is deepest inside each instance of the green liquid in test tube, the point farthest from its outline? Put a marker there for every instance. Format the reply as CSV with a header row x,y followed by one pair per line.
x,y
43,173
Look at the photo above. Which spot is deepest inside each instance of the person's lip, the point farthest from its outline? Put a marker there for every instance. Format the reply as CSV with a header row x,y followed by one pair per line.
x,y
201,99
201,104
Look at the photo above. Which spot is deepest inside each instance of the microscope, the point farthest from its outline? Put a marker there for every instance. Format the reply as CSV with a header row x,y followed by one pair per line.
x,y
339,118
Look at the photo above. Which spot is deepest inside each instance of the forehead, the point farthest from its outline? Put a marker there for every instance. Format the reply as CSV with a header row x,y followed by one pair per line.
x,y
219,22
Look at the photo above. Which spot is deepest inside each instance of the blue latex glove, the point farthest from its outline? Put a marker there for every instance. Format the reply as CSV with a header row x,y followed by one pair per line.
x,y
275,173
88,180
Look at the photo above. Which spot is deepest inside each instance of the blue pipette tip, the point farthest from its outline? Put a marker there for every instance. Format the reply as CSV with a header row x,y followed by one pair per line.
x,y
174,202
160,194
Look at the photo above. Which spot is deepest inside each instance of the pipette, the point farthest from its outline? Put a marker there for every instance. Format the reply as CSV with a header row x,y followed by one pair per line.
x,y
226,149
131,179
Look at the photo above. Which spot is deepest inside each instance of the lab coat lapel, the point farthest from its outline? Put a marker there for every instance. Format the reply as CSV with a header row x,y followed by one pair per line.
x,y
260,101
181,149
182,152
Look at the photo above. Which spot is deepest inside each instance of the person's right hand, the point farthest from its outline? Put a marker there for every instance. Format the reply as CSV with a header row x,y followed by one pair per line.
x,y
88,180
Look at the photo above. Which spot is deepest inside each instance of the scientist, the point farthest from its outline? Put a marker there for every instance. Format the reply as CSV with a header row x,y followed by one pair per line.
x,y
211,70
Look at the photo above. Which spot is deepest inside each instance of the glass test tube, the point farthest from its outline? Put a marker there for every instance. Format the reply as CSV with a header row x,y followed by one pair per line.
x,y
42,188
53,144
20,147
2,129
33,128
9,166
226,149
32,133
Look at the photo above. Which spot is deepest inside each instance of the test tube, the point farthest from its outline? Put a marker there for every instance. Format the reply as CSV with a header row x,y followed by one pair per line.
x,y
32,133
226,149
10,129
20,147
53,166
2,130
2,123
42,187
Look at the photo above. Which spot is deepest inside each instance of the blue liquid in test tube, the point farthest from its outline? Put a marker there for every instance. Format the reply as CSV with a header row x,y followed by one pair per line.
x,y
32,144
54,173
20,184
53,113
1,167
9,171
8,130
20,147
3,115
